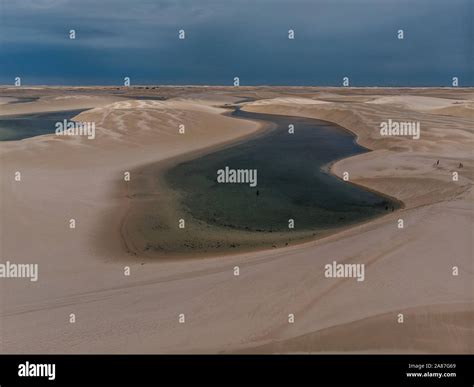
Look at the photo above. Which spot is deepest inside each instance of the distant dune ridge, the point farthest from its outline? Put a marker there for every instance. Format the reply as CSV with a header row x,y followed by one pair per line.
x,y
408,271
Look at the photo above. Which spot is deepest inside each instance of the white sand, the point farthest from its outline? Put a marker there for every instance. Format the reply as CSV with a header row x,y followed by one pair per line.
x,y
5,100
81,271
415,102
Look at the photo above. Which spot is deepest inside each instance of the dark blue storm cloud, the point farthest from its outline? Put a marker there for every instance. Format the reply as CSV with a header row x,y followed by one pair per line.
x,y
244,38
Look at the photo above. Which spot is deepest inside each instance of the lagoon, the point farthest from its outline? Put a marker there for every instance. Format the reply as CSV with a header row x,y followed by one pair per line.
x,y
18,127
293,180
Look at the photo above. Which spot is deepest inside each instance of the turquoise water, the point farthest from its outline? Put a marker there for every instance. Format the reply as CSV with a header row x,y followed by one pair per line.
x,y
17,127
291,180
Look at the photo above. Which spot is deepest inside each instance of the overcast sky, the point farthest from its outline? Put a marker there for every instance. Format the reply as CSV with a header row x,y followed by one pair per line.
x,y
244,38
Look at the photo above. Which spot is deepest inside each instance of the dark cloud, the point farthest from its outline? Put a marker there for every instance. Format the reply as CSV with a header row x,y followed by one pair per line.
x,y
245,38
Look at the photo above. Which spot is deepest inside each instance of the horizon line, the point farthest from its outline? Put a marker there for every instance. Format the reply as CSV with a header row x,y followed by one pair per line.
x,y
229,86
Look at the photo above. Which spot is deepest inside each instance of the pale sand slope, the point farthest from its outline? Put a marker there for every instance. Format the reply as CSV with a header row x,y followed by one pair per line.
x,y
443,106
415,102
5,100
407,271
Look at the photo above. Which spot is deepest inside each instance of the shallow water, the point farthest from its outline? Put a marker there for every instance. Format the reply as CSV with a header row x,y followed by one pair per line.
x,y
291,180
17,127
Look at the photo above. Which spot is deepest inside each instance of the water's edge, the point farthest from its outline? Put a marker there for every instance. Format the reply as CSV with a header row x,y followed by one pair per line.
x,y
206,247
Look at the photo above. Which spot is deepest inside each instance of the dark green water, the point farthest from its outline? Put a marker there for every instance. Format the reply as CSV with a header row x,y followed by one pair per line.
x,y
17,127
291,182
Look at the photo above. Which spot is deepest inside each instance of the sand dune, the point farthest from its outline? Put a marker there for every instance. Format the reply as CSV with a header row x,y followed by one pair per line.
x,y
5,100
461,110
81,271
414,102
349,338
